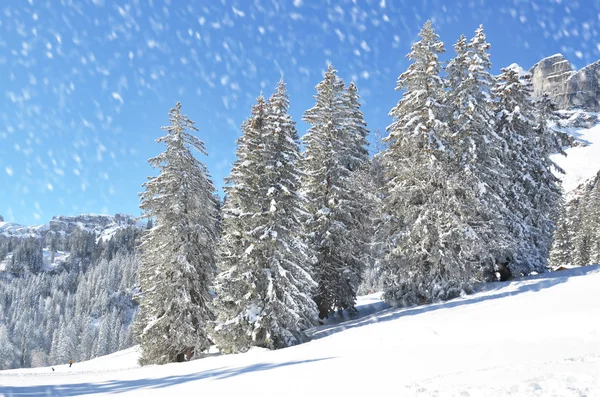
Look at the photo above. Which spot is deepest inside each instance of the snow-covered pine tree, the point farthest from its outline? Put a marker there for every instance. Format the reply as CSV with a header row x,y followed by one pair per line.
x,y
264,290
534,192
361,180
178,253
8,351
236,282
371,180
477,150
356,130
561,251
548,141
430,246
594,221
585,227
335,146
551,140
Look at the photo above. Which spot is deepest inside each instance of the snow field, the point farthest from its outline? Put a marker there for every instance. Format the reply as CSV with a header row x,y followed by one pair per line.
x,y
534,337
582,162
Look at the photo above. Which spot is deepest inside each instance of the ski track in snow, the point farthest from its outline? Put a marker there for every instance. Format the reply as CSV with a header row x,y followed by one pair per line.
x,y
538,336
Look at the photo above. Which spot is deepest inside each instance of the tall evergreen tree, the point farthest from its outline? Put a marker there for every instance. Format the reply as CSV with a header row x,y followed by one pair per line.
x,y
594,221
477,149
361,180
235,284
371,179
534,192
548,141
355,129
265,287
429,243
8,351
561,252
335,147
178,254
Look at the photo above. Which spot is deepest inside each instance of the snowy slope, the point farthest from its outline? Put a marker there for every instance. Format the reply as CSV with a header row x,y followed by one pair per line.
x,y
59,258
104,226
534,337
14,229
581,162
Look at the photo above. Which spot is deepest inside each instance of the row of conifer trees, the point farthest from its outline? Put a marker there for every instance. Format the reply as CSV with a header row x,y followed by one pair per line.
x,y
463,192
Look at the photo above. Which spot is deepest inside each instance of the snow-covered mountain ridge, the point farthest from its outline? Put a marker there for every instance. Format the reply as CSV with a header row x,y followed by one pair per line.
x,y
60,228
568,87
577,95
104,226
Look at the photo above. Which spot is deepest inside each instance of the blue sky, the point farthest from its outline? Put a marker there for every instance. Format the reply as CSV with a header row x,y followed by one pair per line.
x,y
87,84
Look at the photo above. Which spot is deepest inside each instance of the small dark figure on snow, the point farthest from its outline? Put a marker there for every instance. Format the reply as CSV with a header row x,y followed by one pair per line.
x,y
52,369
70,363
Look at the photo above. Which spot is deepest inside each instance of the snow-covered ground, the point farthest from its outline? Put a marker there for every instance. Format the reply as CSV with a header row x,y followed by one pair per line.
x,y
581,162
534,337
59,257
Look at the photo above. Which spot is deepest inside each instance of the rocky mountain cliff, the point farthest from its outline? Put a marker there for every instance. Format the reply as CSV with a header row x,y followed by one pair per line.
x,y
569,88
103,226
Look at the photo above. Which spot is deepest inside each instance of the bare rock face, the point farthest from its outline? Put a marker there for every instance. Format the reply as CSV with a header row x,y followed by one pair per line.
x,y
569,89
95,223
550,75
584,88
1,218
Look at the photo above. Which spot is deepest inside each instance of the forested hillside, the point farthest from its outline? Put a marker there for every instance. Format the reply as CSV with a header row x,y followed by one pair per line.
x,y
577,236
66,294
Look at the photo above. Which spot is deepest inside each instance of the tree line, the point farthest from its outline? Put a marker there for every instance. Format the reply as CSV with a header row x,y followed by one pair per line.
x,y
81,309
577,236
462,192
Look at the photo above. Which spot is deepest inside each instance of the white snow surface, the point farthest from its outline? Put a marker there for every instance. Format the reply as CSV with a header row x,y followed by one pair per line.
x,y
59,258
104,226
539,336
581,162
11,229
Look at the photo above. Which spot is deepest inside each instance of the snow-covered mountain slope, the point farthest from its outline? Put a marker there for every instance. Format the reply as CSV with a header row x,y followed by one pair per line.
x,y
582,162
104,226
14,229
533,337
51,260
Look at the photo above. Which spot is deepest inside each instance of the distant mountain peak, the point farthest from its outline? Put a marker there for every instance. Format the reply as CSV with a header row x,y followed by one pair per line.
x,y
104,226
569,88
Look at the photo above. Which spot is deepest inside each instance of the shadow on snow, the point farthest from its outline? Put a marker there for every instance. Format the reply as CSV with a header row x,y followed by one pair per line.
x,y
483,292
122,386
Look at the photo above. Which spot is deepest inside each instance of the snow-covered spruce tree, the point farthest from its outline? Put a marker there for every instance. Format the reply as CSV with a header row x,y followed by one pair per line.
x,y
362,181
582,224
371,180
335,148
236,282
548,140
429,243
561,251
594,221
178,253
8,352
264,290
534,192
355,128
477,151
